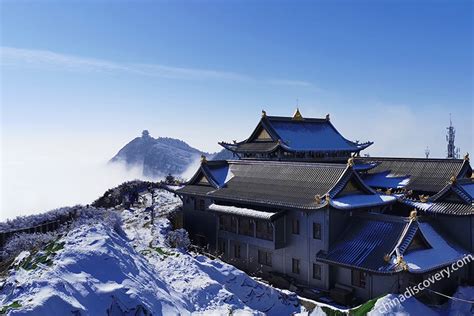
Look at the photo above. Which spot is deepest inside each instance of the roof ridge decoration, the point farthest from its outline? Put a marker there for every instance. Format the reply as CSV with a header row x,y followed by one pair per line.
x,y
264,113
327,117
297,115
466,157
203,159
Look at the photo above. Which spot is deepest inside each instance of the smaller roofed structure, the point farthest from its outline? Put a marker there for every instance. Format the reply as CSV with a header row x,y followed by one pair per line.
x,y
456,199
421,175
389,244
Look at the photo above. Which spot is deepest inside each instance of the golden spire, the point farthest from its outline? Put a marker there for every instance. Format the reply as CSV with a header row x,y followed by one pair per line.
x,y
264,113
297,116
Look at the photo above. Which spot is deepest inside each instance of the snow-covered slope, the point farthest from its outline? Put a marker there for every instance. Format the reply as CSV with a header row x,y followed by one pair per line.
x,y
98,270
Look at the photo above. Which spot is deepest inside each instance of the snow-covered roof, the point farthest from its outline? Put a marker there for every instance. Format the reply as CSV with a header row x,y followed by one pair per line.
x,y
416,174
386,180
245,212
374,242
361,200
297,135
440,254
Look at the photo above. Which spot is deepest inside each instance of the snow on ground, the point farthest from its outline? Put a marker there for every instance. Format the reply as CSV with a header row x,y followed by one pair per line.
x,y
101,269
388,305
98,270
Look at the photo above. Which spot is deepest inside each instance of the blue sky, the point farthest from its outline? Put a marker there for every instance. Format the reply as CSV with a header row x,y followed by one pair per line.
x,y
79,79
228,60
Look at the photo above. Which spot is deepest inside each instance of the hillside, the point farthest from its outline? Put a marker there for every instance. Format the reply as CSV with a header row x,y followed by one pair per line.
x,y
158,156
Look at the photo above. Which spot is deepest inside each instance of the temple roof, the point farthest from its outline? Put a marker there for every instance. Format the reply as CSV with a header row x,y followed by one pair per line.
x,y
295,134
456,198
391,244
284,184
417,174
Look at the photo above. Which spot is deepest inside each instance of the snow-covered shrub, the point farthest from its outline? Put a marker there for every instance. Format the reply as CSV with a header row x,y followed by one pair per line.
x,y
25,242
22,222
178,238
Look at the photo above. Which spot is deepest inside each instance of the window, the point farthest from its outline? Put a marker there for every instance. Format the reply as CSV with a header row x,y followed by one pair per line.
x,y
265,258
237,251
228,223
264,230
222,246
295,266
296,227
200,204
358,278
246,227
316,230
316,271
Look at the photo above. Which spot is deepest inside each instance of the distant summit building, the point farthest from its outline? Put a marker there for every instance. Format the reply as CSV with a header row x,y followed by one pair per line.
x,y
300,208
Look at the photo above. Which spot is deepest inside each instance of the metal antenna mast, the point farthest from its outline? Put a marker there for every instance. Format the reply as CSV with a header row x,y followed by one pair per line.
x,y
453,152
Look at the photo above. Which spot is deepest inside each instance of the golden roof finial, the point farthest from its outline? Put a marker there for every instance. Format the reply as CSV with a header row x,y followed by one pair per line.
x,y
466,157
386,258
452,180
327,197
297,116
317,198
423,198
264,113
389,191
350,162
413,214
203,159
327,117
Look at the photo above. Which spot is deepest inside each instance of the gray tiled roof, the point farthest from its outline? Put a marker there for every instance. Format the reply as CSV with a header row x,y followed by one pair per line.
x,y
279,183
426,175
195,189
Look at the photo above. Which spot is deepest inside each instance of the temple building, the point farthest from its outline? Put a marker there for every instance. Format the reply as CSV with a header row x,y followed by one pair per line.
x,y
299,207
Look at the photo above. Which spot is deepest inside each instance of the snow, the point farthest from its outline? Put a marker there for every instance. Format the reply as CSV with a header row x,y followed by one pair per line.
x,y
440,253
411,306
361,200
242,211
461,308
386,180
124,271
469,188
311,135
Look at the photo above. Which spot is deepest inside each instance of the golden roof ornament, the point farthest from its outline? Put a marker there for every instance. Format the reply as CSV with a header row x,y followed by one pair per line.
x,y
386,258
423,198
327,197
389,191
297,116
317,198
264,113
452,180
413,214
466,157
203,159
327,117
350,162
